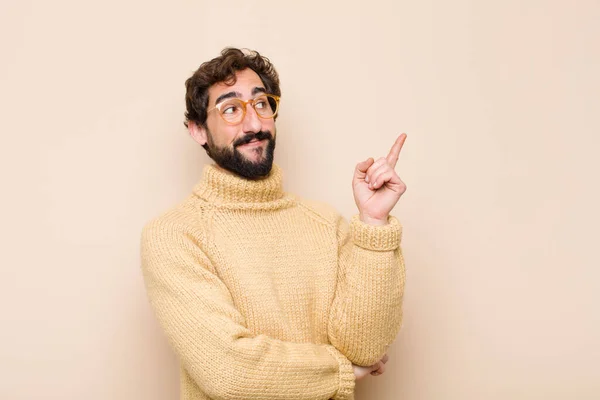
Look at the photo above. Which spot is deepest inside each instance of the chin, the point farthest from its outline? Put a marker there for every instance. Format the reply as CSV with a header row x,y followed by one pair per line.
x,y
255,156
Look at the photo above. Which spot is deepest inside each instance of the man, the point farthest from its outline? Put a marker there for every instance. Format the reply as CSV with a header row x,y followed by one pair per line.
x,y
264,295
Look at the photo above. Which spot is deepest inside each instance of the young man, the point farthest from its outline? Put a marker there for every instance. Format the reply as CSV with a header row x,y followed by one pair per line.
x,y
264,295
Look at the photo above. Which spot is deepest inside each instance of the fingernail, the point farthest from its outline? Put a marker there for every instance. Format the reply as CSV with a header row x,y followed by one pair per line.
x,y
367,179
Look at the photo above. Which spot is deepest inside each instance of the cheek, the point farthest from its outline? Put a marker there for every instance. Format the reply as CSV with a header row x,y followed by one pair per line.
x,y
231,134
269,125
224,135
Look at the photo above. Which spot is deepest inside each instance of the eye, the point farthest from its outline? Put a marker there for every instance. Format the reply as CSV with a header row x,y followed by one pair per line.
x,y
229,109
261,104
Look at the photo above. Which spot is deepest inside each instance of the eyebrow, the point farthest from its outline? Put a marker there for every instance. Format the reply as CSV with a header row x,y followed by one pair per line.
x,y
229,95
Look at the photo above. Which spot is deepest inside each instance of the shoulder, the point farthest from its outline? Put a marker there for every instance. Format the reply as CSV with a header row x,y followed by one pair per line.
x,y
175,241
182,220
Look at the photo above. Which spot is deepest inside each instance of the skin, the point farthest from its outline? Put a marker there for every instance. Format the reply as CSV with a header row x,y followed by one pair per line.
x,y
376,185
376,369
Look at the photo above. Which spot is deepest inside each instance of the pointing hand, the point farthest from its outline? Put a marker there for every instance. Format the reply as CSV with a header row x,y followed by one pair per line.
x,y
377,187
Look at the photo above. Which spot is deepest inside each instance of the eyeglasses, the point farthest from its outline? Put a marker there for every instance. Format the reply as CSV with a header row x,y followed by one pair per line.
x,y
233,110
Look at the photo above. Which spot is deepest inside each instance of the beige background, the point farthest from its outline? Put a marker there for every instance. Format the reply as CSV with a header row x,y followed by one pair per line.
x,y
500,100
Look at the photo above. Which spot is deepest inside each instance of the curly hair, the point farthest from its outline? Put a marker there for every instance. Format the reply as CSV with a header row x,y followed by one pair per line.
x,y
223,69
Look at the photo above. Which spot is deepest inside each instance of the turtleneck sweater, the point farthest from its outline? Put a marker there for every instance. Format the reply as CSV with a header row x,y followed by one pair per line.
x,y
264,295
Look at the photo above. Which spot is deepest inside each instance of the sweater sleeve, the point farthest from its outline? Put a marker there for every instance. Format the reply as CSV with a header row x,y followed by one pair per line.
x,y
366,313
208,333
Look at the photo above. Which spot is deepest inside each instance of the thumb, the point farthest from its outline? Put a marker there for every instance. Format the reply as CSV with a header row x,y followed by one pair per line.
x,y
379,365
375,367
363,166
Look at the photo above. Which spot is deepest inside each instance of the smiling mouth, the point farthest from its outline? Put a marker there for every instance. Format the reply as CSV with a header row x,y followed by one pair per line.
x,y
253,142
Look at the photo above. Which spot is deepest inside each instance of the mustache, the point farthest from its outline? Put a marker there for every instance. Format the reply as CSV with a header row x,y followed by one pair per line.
x,y
248,138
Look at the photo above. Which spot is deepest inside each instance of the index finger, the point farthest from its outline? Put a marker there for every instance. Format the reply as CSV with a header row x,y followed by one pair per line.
x,y
392,158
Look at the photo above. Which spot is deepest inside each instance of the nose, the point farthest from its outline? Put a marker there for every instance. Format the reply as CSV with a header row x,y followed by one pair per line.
x,y
251,122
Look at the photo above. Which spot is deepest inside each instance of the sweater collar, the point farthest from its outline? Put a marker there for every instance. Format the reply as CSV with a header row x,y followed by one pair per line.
x,y
220,186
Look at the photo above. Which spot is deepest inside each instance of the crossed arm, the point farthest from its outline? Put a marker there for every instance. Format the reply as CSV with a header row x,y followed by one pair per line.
x,y
210,336
228,361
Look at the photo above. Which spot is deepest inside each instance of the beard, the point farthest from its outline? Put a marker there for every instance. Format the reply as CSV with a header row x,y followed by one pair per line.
x,y
233,160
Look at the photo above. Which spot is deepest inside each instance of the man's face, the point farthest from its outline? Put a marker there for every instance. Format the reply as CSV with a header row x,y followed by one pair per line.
x,y
245,148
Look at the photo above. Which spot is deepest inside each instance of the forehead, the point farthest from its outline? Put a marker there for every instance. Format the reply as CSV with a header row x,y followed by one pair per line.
x,y
246,81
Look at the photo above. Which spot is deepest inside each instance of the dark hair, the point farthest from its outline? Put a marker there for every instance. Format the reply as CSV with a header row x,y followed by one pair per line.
x,y
223,69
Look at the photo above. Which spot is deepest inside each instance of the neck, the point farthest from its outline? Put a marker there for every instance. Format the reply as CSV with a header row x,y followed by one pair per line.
x,y
221,186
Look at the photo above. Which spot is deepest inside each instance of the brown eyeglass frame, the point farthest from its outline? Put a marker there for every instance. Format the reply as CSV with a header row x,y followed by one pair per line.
x,y
245,105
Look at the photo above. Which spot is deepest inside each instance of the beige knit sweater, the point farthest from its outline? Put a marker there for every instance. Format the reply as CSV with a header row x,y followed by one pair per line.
x,y
267,296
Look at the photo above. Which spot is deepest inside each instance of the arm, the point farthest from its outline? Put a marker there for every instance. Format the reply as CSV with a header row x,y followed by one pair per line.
x,y
209,335
366,313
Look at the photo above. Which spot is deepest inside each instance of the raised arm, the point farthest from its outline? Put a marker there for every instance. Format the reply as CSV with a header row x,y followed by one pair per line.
x,y
367,309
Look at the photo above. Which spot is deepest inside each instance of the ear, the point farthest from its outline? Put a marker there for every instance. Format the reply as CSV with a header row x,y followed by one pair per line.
x,y
198,133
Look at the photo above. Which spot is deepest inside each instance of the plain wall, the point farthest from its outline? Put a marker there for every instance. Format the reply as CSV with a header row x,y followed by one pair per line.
x,y
500,101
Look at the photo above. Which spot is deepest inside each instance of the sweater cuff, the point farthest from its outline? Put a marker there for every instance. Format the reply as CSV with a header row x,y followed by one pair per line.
x,y
379,238
347,378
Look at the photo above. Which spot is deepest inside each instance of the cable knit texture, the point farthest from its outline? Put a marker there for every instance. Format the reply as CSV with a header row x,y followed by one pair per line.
x,y
267,296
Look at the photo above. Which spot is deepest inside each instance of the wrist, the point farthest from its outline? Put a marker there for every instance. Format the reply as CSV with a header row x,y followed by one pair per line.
x,y
373,221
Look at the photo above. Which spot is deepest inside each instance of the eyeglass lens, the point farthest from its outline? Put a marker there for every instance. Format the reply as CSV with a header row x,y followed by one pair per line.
x,y
232,110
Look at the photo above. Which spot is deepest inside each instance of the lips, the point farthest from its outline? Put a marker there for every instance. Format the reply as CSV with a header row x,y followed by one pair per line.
x,y
253,142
